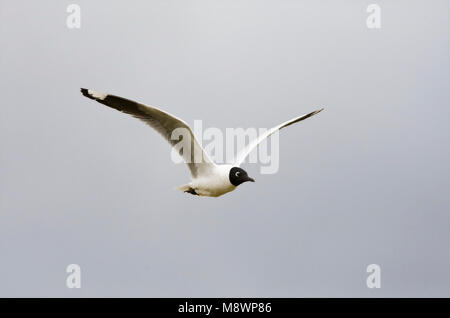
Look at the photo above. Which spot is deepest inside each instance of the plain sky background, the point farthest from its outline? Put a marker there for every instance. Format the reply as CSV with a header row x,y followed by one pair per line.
x,y
366,181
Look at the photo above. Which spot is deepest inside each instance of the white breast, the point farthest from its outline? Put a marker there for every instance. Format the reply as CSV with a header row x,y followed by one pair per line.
x,y
214,184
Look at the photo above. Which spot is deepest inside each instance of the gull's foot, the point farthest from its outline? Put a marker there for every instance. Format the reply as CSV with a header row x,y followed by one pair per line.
x,y
191,191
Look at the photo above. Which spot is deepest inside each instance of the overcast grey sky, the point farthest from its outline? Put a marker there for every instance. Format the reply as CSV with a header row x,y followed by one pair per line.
x,y
366,181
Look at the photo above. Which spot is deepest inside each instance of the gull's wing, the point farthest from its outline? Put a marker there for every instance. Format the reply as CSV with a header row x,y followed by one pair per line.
x,y
163,123
252,145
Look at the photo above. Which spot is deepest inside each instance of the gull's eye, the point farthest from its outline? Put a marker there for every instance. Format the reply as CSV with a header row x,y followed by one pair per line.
x,y
237,173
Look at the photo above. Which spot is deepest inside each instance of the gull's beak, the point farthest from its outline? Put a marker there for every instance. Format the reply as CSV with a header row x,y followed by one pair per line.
x,y
251,179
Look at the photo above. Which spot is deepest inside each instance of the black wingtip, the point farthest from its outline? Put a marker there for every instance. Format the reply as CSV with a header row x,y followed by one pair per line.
x,y
84,91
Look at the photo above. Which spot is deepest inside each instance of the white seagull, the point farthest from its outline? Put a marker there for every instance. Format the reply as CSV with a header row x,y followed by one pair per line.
x,y
208,178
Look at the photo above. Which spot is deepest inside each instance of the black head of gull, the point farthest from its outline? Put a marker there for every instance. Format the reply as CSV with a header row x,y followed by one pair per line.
x,y
238,176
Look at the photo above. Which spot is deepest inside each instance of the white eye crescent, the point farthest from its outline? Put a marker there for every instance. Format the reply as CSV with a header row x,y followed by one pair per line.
x,y
237,173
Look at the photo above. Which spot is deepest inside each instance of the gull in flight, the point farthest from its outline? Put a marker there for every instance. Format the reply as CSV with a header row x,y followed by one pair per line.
x,y
208,178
